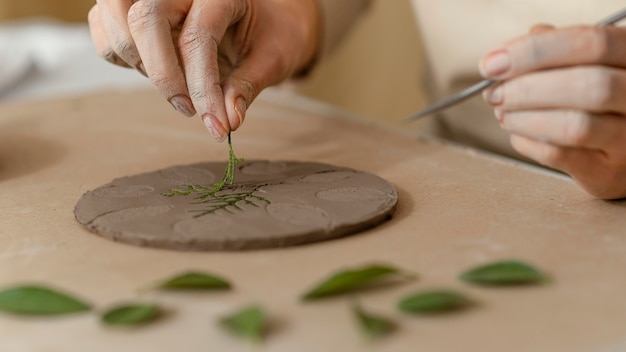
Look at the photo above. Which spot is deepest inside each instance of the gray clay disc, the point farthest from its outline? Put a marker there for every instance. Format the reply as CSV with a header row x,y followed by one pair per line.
x,y
272,204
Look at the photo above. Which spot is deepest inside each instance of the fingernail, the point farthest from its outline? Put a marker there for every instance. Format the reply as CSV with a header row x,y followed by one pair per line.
x,y
497,63
240,108
183,105
215,127
496,96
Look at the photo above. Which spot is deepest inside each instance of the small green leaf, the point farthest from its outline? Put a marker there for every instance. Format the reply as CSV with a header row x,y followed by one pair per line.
x,y
195,281
504,273
432,302
373,326
131,315
351,280
38,300
249,323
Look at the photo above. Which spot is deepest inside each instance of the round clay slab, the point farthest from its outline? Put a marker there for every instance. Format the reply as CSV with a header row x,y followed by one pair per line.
x,y
272,204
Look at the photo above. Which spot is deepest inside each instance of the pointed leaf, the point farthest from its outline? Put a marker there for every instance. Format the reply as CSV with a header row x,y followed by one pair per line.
x,y
432,302
249,323
196,281
131,315
504,273
373,326
351,280
39,300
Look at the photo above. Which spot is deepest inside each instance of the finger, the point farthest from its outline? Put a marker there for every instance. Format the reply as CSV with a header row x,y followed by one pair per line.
x,y
592,169
582,45
198,43
99,39
150,23
554,156
568,128
112,17
591,88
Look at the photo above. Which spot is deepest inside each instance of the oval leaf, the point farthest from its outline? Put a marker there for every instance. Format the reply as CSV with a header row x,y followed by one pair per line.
x,y
249,323
432,302
504,273
38,300
131,315
194,280
351,280
373,326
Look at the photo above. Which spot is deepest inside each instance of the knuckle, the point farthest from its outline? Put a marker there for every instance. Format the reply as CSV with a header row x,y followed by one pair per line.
x,y
551,155
109,55
537,49
543,153
198,95
193,40
601,84
579,129
161,81
142,14
597,43
200,91
126,49
248,88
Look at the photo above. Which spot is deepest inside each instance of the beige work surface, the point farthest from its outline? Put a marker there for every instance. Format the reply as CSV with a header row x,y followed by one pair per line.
x,y
457,209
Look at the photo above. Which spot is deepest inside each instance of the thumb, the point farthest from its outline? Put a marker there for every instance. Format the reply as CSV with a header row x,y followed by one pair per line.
x,y
247,79
239,92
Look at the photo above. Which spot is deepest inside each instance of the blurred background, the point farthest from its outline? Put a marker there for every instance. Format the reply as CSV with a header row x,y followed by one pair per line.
x,y
45,51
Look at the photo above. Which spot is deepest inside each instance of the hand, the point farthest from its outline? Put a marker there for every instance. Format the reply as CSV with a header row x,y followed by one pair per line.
x,y
563,100
212,57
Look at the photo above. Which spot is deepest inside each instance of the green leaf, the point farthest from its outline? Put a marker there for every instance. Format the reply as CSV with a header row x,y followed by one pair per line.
x,y
432,302
194,280
249,323
131,315
351,280
38,300
373,326
504,273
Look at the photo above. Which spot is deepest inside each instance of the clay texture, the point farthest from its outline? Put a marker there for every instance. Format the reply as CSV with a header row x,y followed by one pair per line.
x,y
291,203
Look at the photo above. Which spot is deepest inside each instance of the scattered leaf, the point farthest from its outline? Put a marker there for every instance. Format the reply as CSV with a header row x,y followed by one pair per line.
x,y
432,302
131,315
351,280
373,326
249,323
504,273
39,300
193,280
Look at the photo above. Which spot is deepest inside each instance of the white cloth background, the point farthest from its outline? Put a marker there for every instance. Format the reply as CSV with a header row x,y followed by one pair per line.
x,y
41,58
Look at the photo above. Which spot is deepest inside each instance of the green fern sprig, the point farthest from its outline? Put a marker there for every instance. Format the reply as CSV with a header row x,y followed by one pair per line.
x,y
210,191
208,194
228,202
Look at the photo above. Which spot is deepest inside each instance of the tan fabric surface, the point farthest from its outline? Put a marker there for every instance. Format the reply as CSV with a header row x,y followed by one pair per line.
x,y
456,209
